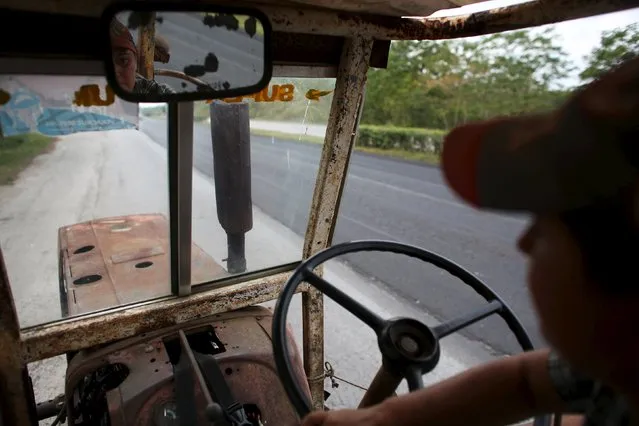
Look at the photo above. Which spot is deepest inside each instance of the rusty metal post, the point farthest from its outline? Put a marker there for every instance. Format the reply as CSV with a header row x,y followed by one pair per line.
x,y
231,138
81,332
146,45
16,402
331,176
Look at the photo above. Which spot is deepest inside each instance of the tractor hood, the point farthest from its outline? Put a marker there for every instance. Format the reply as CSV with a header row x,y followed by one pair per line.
x,y
115,261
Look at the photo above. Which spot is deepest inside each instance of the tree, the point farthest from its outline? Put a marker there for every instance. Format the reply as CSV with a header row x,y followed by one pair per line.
x,y
615,47
442,84
397,95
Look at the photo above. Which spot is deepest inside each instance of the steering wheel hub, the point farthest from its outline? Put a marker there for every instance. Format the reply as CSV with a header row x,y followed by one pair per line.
x,y
409,348
405,341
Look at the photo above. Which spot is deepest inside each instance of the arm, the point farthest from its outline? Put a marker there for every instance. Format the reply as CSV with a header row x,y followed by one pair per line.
x,y
505,391
501,392
567,420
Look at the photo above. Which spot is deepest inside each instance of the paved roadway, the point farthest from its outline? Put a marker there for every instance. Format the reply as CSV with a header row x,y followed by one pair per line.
x,y
398,200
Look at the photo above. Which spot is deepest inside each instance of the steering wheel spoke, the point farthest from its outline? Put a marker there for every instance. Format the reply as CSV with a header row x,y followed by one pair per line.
x,y
414,378
371,319
409,347
443,330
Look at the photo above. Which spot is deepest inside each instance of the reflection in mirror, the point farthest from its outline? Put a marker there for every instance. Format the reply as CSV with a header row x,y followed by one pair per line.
x,y
163,53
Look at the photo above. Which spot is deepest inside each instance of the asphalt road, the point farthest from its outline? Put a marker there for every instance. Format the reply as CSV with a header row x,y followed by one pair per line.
x,y
395,200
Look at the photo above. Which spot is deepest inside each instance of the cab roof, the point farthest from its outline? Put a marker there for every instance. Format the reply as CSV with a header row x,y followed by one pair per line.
x,y
308,35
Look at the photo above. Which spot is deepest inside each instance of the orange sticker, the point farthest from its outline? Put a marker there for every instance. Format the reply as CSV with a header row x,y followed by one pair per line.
x,y
315,95
275,93
89,95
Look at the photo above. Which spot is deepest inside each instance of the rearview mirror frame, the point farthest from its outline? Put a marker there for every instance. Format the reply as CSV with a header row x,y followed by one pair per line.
x,y
177,6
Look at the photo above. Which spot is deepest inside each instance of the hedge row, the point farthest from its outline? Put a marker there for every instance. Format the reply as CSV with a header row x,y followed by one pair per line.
x,y
403,138
381,137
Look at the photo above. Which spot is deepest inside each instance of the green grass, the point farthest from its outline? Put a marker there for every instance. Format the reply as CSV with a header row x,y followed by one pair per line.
x,y
17,152
287,136
425,157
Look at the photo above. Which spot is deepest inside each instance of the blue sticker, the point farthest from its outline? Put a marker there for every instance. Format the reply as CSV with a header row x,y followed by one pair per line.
x,y
24,113
23,99
61,121
12,124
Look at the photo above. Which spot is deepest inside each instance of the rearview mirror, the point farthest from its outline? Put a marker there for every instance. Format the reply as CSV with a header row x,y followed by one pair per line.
x,y
169,52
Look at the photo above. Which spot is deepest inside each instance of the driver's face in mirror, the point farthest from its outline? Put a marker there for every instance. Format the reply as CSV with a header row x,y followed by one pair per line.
x,y
125,55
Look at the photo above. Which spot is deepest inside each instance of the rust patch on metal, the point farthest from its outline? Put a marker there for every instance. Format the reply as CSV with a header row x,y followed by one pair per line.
x,y
386,27
516,17
253,375
146,46
14,404
149,373
141,253
48,340
247,363
337,147
381,19
122,260
520,16
331,177
313,345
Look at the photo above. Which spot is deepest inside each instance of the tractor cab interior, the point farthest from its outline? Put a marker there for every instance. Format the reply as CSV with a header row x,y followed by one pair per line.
x,y
160,304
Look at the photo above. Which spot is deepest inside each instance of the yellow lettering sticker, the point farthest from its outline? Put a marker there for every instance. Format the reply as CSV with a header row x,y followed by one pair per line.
x,y
315,95
275,93
89,95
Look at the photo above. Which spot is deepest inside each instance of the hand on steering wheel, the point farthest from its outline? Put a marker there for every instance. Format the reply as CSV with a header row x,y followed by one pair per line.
x,y
409,348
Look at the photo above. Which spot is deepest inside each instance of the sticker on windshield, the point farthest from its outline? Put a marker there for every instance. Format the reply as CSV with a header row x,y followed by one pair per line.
x,y
89,95
315,95
53,106
275,93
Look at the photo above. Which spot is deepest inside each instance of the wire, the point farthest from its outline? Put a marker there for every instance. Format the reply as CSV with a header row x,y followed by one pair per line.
x,y
350,383
330,374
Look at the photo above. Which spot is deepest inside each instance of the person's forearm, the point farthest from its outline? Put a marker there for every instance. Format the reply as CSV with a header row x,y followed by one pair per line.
x,y
567,420
501,392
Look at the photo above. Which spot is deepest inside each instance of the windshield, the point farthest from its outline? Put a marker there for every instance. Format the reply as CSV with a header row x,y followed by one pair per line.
x,y
84,190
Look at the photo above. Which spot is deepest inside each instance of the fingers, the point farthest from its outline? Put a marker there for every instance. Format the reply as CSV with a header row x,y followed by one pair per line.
x,y
317,418
364,417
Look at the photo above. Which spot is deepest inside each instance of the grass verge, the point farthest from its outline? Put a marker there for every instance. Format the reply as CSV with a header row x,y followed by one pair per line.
x,y
425,157
17,152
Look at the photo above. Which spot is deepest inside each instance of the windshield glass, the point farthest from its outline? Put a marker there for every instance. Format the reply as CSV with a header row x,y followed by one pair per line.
x,y
255,217
84,190
83,202
255,160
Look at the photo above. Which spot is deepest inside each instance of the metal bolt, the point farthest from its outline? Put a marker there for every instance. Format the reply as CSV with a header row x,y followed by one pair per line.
x,y
149,349
409,344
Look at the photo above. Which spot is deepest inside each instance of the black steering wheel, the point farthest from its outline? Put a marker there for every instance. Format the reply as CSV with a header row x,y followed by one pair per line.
x,y
409,348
